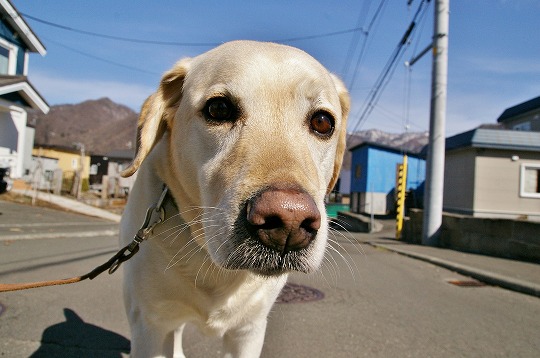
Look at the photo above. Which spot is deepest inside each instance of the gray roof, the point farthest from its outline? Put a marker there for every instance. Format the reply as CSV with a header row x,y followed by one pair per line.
x,y
496,139
521,108
387,148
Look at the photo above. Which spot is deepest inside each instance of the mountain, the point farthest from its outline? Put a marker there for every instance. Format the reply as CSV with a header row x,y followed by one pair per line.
x,y
410,142
101,125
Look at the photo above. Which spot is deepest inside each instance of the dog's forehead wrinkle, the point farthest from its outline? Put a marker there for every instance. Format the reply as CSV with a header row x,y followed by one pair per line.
x,y
255,64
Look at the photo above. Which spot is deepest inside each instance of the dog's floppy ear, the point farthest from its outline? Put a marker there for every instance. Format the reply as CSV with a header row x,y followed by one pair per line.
x,y
158,112
345,103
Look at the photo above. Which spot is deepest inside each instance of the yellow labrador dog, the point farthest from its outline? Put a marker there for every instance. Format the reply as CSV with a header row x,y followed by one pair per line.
x,y
249,138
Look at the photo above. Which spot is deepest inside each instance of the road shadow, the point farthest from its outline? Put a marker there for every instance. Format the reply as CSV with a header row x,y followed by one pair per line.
x,y
76,338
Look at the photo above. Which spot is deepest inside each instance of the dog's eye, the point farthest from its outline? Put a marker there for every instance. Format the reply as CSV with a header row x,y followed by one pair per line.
x,y
322,124
219,109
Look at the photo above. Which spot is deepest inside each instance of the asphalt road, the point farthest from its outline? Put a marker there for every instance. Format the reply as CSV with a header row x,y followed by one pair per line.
x,y
376,303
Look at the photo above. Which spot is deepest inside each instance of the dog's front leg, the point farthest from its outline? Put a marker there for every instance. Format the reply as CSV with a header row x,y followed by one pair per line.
x,y
178,350
152,341
246,341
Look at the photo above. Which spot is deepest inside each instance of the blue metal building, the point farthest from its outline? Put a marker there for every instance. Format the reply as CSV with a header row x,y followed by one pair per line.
x,y
373,178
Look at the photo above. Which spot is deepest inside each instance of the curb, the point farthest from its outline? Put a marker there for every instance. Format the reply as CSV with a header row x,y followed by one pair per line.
x,y
73,205
481,275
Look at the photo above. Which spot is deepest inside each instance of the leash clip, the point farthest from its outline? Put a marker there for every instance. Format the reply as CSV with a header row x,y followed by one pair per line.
x,y
154,216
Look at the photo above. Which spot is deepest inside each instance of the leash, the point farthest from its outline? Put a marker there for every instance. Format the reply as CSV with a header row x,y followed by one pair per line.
x,y
154,215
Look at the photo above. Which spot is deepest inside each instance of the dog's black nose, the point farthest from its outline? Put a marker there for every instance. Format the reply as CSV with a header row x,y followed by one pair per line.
x,y
283,219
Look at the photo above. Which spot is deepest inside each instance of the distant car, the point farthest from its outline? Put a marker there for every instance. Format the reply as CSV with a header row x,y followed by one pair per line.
x,y
5,182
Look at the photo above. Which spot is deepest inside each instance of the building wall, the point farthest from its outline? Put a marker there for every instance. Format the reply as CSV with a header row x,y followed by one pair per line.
x,y
359,162
376,203
373,170
8,141
13,136
416,173
8,131
10,40
345,181
459,172
497,184
66,161
529,121
42,172
16,139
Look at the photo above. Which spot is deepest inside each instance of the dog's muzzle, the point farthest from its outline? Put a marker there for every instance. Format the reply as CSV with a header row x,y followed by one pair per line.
x,y
274,232
283,220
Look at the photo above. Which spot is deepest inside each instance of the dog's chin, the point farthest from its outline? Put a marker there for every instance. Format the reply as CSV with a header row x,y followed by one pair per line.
x,y
251,255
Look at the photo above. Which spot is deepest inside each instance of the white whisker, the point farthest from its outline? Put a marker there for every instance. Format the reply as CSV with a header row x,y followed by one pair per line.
x,y
351,241
345,260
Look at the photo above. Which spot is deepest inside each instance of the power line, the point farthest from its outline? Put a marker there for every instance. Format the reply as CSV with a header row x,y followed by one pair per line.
x,y
312,37
118,38
175,43
153,42
364,45
388,70
356,38
102,59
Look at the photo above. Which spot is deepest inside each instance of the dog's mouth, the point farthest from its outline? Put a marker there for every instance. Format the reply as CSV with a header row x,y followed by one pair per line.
x,y
274,232
250,254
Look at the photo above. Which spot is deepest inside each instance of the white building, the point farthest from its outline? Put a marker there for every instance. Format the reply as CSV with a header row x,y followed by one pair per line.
x,y
17,95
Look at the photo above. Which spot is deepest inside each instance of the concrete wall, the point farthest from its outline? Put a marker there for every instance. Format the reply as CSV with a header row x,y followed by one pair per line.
x,y
496,237
376,203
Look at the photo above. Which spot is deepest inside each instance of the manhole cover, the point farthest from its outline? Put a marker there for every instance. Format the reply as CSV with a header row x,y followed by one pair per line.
x,y
293,293
466,283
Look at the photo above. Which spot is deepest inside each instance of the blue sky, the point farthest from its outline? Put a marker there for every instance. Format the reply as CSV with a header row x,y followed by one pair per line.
x,y
494,50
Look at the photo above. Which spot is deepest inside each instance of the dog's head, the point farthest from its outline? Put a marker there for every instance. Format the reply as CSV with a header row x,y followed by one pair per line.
x,y
256,139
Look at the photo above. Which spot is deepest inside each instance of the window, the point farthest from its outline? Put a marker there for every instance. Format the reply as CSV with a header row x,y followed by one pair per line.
x,y
48,175
530,181
358,171
525,126
8,58
4,60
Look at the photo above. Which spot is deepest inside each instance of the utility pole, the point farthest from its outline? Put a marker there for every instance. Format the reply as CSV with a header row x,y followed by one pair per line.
x,y
433,196
80,169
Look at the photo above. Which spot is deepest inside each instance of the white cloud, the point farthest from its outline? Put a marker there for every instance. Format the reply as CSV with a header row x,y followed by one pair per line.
x,y
63,90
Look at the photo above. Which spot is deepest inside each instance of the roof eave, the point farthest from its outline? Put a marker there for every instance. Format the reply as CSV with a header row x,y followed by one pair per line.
x,y
28,93
504,147
27,35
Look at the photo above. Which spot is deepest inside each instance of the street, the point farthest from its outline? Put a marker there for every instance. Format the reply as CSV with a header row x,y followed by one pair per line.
x,y
376,303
